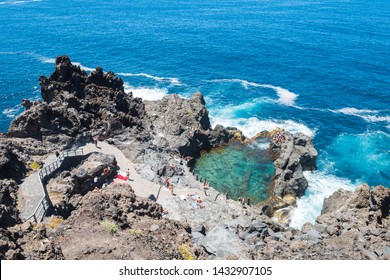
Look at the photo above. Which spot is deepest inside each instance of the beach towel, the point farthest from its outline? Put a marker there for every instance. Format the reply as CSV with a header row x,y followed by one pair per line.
x,y
122,176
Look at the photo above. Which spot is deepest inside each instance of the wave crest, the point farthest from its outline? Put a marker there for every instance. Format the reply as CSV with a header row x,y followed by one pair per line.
x,y
244,83
11,112
365,114
173,81
48,60
286,97
18,2
321,186
251,126
146,93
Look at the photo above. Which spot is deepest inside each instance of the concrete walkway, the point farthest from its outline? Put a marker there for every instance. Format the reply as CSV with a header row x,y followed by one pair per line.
x,y
32,193
141,186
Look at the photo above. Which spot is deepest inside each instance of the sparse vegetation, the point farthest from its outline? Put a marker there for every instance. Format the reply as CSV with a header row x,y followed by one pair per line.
x,y
135,232
34,165
38,227
109,226
55,222
186,252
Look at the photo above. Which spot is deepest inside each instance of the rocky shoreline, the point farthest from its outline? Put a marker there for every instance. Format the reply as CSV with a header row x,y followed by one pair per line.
x,y
162,139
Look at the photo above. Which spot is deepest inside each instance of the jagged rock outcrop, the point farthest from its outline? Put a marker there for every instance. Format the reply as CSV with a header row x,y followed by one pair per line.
x,y
12,161
25,242
135,224
75,102
16,158
9,214
184,125
66,189
295,154
161,137
354,225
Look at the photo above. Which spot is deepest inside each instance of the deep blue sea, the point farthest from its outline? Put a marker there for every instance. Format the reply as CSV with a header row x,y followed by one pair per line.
x,y
319,67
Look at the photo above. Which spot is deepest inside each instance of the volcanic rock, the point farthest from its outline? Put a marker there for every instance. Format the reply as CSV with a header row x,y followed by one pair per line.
x,y
75,102
295,154
115,224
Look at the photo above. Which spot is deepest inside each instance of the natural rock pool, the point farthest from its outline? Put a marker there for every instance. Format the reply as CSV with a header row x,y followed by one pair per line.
x,y
241,170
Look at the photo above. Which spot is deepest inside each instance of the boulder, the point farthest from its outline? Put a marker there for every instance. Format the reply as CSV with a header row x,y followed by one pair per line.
x,y
335,201
222,243
184,125
294,154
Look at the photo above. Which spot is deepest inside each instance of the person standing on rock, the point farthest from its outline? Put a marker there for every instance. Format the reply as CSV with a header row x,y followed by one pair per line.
x,y
128,173
170,187
95,141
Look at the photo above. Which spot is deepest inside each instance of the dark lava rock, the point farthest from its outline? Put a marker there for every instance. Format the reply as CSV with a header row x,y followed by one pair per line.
x,y
184,125
76,102
295,154
9,214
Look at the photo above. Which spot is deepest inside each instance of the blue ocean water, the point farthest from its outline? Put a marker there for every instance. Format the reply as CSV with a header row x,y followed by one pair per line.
x,y
320,67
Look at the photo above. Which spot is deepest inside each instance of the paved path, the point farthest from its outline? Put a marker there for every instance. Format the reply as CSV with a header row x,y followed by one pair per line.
x,y
141,186
31,192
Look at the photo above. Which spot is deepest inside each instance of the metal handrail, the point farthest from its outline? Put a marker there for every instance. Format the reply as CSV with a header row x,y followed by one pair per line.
x,y
56,164
67,153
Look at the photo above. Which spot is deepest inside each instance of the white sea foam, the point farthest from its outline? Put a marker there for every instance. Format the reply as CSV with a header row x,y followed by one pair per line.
x,y
11,112
321,186
251,126
146,93
260,145
18,2
173,81
286,97
48,60
82,67
245,84
367,115
230,111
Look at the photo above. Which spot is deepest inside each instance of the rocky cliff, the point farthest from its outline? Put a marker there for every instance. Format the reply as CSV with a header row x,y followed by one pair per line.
x,y
352,226
295,154
162,138
74,102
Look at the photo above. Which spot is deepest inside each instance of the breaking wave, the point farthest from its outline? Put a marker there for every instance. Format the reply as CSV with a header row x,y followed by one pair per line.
x,y
146,93
12,112
251,126
173,81
365,114
321,186
286,97
52,61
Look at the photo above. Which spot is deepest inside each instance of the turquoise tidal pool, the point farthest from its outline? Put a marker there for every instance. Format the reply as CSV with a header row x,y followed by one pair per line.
x,y
239,170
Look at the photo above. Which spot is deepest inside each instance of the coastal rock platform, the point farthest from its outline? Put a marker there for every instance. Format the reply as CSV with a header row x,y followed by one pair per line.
x,y
161,211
